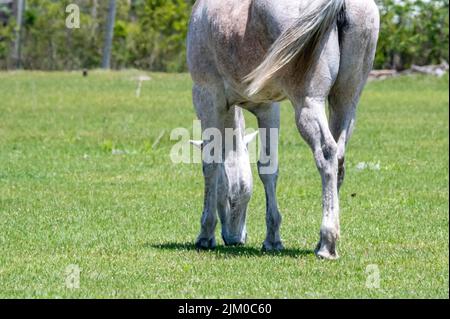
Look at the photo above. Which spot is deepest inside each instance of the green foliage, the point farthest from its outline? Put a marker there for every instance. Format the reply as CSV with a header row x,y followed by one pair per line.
x,y
151,34
6,36
164,22
412,31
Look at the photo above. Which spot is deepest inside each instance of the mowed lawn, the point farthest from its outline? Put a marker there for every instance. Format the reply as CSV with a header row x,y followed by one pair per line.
x,y
86,182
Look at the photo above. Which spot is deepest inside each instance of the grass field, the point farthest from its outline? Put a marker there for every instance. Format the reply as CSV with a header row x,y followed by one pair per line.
x,y
82,182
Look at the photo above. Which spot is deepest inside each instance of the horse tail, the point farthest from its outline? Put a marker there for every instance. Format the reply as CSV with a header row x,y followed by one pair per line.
x,y
301,39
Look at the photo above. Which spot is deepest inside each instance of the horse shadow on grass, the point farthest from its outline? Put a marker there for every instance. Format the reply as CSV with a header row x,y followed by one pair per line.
x,y
233,251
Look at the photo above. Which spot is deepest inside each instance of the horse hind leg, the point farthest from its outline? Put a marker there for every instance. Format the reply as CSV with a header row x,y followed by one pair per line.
x,y
358,45
309,101
313,126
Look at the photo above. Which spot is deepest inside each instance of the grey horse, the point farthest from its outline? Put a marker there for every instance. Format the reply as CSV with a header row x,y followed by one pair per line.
x,y
252,54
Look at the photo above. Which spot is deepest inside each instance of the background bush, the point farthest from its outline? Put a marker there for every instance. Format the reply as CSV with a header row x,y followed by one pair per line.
x,y
150,34
412,32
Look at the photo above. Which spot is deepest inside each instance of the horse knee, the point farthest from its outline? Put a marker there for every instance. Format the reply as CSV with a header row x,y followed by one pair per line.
x,y
268,172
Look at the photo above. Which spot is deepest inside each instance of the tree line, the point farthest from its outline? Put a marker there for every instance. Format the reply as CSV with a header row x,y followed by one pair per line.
x,y
151,34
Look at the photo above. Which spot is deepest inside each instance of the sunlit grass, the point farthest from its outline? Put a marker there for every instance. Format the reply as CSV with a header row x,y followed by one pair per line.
x,y
83,183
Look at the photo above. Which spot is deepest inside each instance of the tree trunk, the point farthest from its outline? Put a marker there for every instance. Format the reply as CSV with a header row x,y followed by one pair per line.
x,y
109,34
133,13
94,24
18,31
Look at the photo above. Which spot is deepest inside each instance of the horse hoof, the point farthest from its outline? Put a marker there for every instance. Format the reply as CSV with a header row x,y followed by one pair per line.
x,y
326,255
272,247
206,244
323,252
326,248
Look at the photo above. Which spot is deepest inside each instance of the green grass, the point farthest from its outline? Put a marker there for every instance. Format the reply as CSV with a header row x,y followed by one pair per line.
x,y
129,221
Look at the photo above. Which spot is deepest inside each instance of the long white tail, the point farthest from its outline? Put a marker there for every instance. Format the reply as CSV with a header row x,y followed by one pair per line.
x,y
306,33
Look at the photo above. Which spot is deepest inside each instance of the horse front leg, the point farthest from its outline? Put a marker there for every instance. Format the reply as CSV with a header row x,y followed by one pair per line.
x,y
210,102
268,116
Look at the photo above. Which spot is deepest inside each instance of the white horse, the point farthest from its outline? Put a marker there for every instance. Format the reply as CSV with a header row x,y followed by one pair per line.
x,y
253,54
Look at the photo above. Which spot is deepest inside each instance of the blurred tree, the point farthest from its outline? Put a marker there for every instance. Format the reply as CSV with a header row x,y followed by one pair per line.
x,y
6,32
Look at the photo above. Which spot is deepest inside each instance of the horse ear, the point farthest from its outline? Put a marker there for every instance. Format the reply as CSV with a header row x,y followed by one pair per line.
x,y
198,144
250,137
